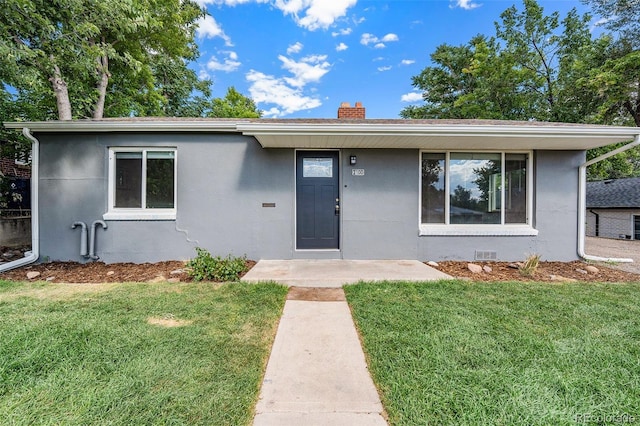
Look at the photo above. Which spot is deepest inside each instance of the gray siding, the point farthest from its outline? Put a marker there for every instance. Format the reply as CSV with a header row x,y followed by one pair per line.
x,y
613,223
223,179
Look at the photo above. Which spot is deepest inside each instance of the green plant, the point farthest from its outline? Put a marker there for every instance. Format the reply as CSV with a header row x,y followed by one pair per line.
x,y
530,265
207,267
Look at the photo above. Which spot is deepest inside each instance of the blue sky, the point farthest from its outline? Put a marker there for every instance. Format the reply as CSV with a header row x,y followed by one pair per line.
x,y
302,58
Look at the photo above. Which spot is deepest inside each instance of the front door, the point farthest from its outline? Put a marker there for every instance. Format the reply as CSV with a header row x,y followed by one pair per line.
x,y
317,200
636,227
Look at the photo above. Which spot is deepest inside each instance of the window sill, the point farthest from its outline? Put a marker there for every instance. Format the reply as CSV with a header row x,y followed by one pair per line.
x,y
140,215
478,230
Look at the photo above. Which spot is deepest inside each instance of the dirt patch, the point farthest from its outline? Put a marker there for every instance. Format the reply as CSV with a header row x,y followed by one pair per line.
x,y
168,322
98,272
315,294
546,271
608,247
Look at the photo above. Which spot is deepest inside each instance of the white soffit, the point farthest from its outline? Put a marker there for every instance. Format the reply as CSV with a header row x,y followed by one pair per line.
x,y
554,137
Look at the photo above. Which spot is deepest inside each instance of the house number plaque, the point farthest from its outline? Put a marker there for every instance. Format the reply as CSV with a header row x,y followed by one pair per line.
x,y
357,172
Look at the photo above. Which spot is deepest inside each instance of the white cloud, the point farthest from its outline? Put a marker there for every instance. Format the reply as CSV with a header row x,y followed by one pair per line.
x,y
367,39
317,13
228,64
309,69
204,75
359,21
286,95
209,28
341,47
411,97
385,68
464,4
295,48
390,37
343,32
271,90
407,62
379,58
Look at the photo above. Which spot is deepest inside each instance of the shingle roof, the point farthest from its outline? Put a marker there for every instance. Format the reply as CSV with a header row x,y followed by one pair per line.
x,y
614,193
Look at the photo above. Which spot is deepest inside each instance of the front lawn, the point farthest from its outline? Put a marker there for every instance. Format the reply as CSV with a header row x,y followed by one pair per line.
x,y
124,354
457,353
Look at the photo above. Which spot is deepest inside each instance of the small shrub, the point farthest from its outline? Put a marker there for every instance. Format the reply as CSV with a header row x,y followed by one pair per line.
x,y
210,268
530,265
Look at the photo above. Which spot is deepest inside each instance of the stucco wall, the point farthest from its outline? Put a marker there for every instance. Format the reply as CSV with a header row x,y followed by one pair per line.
x,y
613,223
223,180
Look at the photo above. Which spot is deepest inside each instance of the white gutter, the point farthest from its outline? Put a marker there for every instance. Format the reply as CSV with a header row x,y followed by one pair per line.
x,y
582,203
34,254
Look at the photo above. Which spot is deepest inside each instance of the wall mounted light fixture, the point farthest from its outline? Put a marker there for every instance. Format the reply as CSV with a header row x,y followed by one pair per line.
x,y
353,160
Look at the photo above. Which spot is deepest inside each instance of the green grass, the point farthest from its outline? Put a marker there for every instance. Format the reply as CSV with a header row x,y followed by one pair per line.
x,y
460,353
90,356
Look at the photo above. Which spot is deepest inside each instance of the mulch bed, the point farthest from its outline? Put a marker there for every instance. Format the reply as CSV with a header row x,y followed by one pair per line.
x,y
546,271
98,272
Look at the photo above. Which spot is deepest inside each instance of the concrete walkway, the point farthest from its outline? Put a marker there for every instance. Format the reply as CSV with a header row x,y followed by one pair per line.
x,y
335,273
317,374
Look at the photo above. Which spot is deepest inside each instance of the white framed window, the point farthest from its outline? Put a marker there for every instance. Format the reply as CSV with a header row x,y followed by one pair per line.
x,y
476,193
142,184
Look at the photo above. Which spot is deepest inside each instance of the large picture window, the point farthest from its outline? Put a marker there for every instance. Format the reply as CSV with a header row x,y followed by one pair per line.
x,y
475,188
142,183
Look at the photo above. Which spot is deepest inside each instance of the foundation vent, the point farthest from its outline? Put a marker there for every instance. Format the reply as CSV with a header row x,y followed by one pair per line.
x,y
486,255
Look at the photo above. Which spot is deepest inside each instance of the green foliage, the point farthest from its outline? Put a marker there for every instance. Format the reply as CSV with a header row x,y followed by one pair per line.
x,y
205,267
234,105
69,50
523,73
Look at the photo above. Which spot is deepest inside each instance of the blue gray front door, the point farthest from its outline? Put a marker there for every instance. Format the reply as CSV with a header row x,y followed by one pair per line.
x,y
317,200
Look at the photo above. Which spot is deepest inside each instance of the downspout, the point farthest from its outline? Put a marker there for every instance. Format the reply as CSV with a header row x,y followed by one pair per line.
x,y
582,203
34,254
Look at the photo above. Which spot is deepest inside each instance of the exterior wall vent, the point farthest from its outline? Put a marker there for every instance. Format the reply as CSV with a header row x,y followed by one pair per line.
x,y
486,255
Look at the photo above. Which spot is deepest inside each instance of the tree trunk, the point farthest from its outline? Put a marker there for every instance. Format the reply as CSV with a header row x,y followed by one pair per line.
x,y
62,94
103,82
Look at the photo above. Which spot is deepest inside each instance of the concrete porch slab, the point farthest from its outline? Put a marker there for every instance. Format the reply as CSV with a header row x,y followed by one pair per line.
x,y
336,273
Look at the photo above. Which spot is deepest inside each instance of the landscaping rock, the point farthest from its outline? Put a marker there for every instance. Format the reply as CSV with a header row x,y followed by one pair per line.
x,y
487,269
560,278
432,263
32,274
476,269
158,279
173,280
177,272
51,278
581,271
513,266
111,273
591,269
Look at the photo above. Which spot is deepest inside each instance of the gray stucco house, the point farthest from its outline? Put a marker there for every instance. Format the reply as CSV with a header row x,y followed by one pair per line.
x,y
613,208
350,188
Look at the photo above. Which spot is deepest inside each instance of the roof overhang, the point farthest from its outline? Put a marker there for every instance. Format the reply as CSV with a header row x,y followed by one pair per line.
x,y
333,134
449,137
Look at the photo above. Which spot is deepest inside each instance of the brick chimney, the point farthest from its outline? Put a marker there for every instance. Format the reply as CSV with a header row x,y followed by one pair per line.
x,y
347,112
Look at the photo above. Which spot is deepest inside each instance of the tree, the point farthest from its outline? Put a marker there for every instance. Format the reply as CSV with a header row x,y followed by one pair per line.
x,y
234,105
70,48
621,16
523,73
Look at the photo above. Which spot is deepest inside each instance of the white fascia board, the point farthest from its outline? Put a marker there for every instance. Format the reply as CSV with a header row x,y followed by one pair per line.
x,y
125,126
257,128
